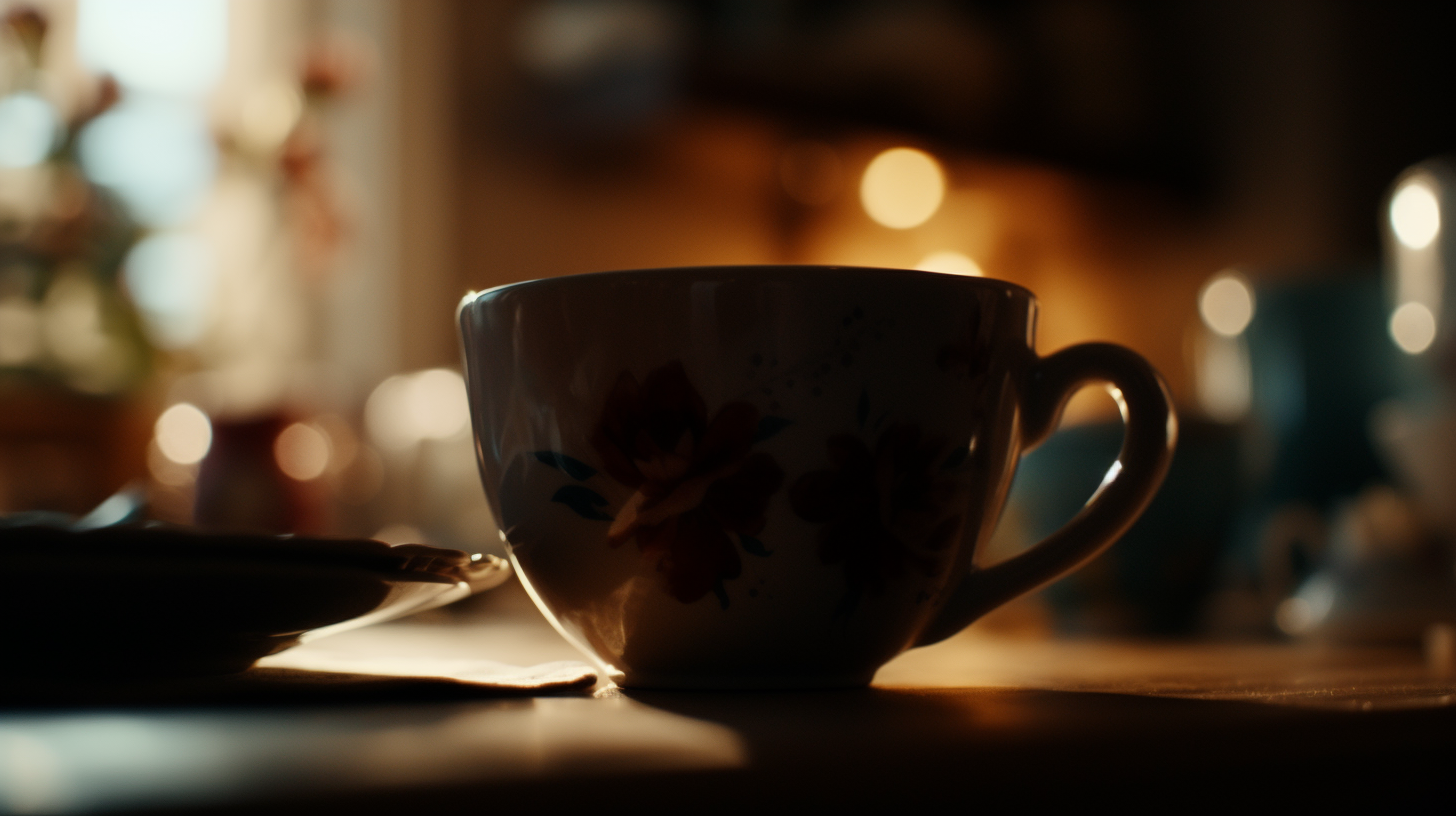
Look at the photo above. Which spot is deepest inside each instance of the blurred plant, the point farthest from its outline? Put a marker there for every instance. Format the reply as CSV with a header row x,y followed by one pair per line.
x,y
283,135
256,365
64,318
28,26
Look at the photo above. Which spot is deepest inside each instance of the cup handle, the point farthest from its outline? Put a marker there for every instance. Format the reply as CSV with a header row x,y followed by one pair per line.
x,y
1151,430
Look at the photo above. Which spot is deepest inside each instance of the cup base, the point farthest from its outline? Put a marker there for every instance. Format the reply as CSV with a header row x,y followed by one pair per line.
x,y
745,682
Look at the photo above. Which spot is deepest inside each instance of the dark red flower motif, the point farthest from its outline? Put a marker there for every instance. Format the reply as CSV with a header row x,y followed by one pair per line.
x,y
882,510
695,480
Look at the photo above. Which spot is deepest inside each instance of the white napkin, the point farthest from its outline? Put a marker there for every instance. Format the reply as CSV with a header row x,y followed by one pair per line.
x,y
559,674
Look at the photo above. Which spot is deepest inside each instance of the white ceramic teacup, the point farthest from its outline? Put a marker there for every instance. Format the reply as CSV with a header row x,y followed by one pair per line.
x,y
779,476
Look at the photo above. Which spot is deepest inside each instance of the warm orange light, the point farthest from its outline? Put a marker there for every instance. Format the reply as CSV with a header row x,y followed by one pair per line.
x,y
408,408
953,263
302,452
902,188
811,173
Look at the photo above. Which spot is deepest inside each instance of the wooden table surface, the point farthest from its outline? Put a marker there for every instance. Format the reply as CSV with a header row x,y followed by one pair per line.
x,y
977,721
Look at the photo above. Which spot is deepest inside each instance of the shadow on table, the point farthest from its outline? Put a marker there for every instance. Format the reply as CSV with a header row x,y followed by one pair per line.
x,y
259,687
977,749
1010,746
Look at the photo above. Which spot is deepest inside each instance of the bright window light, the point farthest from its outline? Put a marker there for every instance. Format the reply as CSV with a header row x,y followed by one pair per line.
x,y
169,47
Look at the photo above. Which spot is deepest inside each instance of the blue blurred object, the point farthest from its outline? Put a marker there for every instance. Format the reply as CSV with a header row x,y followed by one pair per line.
x,y
1155,580
1321,359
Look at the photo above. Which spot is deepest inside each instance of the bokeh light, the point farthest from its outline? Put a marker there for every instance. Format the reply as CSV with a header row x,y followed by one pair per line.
x,y
184,433
158,155
902,187
409,408
28,130
269,114
1413,327
1415,214
170,278
437,403
302,451
1226,304
950,262
386,414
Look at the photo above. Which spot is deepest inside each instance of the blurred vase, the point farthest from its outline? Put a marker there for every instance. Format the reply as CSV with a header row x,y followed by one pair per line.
x,y
1321,361
240,485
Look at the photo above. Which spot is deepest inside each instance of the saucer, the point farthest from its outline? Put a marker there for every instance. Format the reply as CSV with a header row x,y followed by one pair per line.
x,y
153,600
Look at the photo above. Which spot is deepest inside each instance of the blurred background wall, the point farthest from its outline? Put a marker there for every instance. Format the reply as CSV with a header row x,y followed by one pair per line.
x,y
235,231
1111,156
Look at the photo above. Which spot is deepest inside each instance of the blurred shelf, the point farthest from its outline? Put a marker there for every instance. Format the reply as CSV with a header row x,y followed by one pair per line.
x,y
64,451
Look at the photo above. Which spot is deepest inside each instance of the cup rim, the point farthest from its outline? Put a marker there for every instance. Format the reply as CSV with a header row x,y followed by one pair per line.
x,y
722,270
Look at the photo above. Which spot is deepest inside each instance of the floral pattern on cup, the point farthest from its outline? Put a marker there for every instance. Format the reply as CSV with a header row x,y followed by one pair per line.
x,y
883,510
697,484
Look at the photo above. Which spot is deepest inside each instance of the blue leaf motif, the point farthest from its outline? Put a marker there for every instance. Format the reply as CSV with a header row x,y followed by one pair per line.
x,y
575,468
583,500
769,426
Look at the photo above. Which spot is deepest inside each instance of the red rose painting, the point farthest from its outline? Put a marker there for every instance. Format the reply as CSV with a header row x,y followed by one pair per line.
x,y
883,510
697,482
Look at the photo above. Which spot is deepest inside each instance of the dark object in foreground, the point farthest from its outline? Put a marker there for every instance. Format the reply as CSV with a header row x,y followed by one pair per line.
x,y
150,600
275,687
